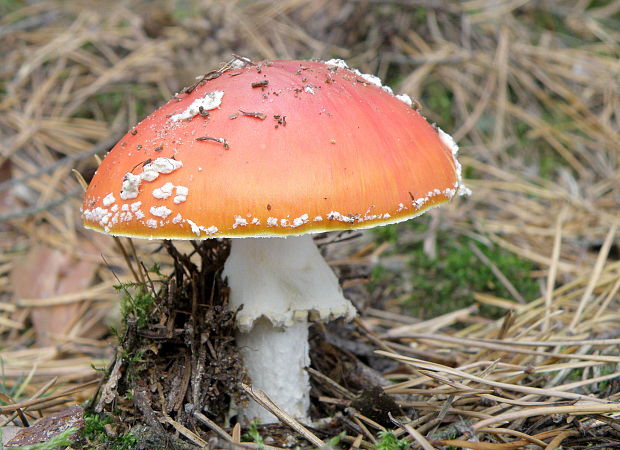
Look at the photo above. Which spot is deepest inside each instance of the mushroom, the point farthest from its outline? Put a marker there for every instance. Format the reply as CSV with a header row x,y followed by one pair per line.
x,y
268,154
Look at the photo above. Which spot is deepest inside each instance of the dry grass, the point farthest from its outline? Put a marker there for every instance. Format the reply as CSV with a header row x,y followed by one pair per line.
x,y
529,89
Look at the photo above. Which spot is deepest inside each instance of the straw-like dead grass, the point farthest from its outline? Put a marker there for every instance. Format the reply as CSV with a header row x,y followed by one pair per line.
x,y
530,90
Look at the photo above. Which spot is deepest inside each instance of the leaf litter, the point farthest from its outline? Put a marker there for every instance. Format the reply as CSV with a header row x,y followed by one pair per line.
x,y
530,93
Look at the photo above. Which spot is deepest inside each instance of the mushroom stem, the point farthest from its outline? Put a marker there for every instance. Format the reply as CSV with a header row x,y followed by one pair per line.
x,y
281,283
276,360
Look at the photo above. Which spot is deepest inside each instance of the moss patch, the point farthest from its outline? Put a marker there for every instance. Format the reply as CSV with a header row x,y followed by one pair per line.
x,y
448,282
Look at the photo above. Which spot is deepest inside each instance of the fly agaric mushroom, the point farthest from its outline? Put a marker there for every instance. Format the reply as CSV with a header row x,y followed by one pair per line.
x,y
267,154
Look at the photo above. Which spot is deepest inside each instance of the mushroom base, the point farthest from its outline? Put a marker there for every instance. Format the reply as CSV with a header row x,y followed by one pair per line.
x,y
281,284
276,360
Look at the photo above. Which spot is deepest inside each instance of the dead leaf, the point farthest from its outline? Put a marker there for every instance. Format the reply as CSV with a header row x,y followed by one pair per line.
x,y
47,272
48,427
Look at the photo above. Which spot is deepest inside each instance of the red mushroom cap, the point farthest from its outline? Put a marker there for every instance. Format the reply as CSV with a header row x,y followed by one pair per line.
x,y
272,149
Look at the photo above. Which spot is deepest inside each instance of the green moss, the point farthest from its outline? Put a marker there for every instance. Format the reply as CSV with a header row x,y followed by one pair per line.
x,y
254,435
113,98
333,442
379,275
439,99
387,441
134,362
96,437
606,370
184,9
578,374
156,269
548,164
109,101
388,233
136,304
10,6
420,14
449,282
94,426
